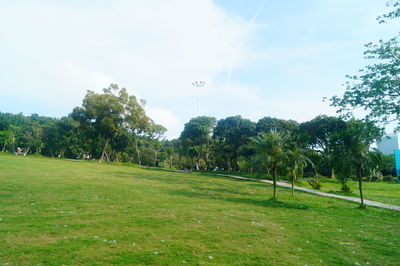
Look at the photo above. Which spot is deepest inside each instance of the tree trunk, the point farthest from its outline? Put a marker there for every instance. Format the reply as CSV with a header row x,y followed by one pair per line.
x,y
274,180
4,147
292,186
360,188
104,151
294,177
333,173
137,151
207,155
207,164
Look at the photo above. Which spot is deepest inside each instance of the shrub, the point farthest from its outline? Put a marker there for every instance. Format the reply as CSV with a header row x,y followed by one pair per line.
x,y
375,178
354,177
389,178
315,184
125,157
346,188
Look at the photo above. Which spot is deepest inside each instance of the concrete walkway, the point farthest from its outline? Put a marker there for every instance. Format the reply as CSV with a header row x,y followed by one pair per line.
x,y
325,194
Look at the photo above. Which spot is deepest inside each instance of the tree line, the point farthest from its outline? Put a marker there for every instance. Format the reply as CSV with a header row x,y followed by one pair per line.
x,y
110,126
113,126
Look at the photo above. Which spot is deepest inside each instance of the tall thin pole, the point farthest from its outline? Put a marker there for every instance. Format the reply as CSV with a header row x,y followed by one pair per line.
x,y
198,84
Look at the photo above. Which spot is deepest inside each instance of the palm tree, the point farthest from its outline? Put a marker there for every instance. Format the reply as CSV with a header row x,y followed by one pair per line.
x,y
353,149
375,162
271,151
296,161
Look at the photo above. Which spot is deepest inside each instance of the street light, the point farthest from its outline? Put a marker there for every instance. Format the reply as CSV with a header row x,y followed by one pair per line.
x,y
198,84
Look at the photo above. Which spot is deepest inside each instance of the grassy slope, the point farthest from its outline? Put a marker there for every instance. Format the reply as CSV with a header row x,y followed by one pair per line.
x,y
386,192
65,212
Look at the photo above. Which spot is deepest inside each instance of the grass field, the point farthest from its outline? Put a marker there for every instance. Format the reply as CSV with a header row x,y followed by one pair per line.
x,y
56,212
386,192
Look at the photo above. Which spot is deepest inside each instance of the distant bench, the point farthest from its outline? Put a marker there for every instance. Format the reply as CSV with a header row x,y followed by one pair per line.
x,y
22,152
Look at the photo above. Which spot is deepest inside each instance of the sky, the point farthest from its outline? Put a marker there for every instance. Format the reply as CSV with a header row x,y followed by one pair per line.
x,y
257,57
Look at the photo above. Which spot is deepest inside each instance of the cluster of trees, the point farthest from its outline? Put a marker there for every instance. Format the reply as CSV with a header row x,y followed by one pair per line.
x,y
108,126
327,146
113,126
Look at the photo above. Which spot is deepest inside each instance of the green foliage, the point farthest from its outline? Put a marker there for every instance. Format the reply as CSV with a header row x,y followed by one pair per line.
x,y
196,137
351,154
345,187
392,14
270,124
377,87
272,153
108,118
230,134
389,178
315,184
6,139
155,133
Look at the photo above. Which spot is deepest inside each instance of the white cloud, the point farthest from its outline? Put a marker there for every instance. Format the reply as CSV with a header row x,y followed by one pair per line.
x,y
154,48
167,119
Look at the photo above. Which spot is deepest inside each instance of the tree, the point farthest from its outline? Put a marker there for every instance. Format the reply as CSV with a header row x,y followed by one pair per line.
x,y
351,150
104,117
34,137
391,15
103,113
68,136
271,124
230,134
296,159
375,165
155,134
196,137
377,88
319,133
138,122
6,138
271,150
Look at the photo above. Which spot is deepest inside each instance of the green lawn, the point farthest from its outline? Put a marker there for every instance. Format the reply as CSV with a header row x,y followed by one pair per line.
x,y
56,212
386,192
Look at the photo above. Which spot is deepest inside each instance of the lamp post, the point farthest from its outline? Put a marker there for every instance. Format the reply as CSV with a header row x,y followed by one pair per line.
x,y
198,84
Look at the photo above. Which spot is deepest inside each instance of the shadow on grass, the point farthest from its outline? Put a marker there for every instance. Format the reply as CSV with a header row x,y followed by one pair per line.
x,y
221,190
190,178
168,179
270,203
342,193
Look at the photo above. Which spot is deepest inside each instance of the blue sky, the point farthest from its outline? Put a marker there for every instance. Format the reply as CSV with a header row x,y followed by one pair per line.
x,y
258,58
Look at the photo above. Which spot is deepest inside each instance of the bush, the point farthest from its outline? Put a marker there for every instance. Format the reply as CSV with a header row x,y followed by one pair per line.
x,y
354,177
346,188
125,157
315,184
389,178
375,178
